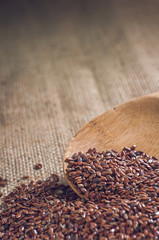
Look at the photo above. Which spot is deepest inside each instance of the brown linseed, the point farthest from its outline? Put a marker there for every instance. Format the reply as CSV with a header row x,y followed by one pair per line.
x,y
122,203
109,174
38,166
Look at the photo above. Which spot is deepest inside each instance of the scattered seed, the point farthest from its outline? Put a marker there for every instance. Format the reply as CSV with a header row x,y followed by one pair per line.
x,y
121,202
38,166
25,177
3,183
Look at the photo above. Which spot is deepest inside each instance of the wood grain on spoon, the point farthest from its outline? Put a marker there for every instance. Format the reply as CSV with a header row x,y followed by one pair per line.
x,y
134,122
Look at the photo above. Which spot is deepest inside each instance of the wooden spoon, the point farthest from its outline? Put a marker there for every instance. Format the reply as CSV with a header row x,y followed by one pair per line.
x,y
134,122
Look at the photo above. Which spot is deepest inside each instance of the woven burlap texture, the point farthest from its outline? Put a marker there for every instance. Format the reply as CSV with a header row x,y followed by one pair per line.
x,y
61,64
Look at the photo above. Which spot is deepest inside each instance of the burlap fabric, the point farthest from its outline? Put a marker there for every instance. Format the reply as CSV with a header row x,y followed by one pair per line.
x,y
63,63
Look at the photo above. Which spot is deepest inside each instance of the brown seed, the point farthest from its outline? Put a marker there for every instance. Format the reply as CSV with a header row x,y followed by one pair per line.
x,y
122,203
3,183
25,177
38,166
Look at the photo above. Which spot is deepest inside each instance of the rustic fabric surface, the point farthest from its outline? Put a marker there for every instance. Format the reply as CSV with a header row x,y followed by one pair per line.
x,y
61,64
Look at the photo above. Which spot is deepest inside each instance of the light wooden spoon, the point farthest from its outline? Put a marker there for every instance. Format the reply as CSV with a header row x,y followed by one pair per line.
x,y
135,122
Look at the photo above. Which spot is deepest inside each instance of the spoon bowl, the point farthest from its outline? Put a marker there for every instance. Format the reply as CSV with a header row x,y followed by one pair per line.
x,y
134,122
